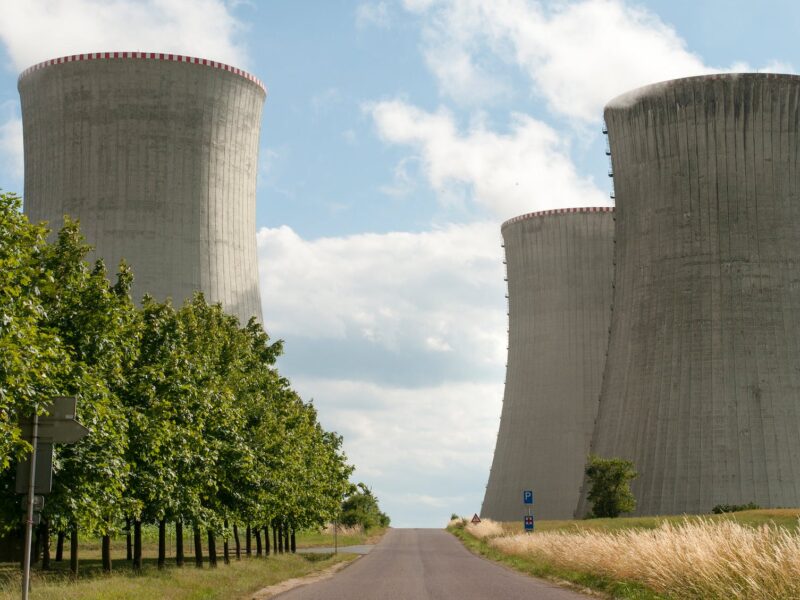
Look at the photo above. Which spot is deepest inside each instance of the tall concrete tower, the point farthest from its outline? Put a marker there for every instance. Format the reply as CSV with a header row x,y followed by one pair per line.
x,y
157,155
702,383
559,266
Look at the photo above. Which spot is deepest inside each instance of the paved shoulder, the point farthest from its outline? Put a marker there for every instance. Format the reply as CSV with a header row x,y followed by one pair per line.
x,y
427,564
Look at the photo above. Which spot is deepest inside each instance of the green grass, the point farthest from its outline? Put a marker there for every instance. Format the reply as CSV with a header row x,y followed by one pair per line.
x,y
236,580
624,590
785,517
312,538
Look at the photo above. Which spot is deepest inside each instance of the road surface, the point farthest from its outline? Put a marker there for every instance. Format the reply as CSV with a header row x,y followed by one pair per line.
x,y
426,564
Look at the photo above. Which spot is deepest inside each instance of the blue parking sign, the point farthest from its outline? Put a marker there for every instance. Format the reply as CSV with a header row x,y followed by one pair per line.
x,y
527,497
529,523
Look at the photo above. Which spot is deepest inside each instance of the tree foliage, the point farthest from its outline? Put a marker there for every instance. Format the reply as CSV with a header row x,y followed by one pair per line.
x,y
609,486
189,418
361,508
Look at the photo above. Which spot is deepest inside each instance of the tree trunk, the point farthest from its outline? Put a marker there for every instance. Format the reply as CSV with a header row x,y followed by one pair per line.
x,y
179,543
60,546
226,556
73,550
162,543
236,541
248,546
106,553
137,545
128,544
198,548
212,549
274,537
266,540
286,538
280,538
257,533
45,545
37,544
294,542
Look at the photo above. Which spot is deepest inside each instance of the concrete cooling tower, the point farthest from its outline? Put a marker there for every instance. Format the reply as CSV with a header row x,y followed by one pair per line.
x,y
559,266
157,155
702,383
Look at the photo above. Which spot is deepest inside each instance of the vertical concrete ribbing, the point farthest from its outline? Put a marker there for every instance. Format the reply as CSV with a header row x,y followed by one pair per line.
x,y
708,208
158,160
559,268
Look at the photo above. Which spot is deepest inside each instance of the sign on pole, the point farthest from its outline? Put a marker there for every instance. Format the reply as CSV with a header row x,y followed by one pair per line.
x,y
528,522
527,497
476,519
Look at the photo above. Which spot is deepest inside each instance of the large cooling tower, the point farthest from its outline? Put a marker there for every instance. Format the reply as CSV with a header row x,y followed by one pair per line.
x,y
702,383
559,266
156,154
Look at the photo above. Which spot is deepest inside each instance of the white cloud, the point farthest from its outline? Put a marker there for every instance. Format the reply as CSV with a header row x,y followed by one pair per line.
x,y
426,452
35,30
526,169
398,292
400,339
577,55
11,151
372,14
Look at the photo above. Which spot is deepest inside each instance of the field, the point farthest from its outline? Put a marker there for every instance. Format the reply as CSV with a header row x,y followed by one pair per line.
x,y
237,580
752,555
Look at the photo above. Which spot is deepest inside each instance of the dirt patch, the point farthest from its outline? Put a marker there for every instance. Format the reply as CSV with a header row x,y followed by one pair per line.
x,y
290,584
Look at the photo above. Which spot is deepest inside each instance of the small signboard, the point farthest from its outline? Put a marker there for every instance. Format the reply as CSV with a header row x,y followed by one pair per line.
x,y
476,519
528,522
527,497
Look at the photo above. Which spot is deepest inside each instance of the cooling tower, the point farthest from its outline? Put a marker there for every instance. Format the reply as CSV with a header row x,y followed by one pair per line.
x,y
559,266
156,154
702,383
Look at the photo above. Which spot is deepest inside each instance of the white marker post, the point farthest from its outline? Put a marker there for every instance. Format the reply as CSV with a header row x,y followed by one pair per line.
x,y
26,557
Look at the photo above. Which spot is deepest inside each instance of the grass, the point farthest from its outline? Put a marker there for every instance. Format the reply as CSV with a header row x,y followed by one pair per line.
x,y
346,536
753,555
237,580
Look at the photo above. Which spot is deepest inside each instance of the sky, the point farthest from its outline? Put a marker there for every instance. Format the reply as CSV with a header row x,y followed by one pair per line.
x,y
397,136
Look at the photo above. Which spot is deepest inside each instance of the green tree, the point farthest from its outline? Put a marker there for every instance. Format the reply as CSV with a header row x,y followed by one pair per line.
x,y
609,486
361,508
32,358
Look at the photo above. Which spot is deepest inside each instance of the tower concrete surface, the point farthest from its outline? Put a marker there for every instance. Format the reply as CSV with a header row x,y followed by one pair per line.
x,y
156,155
702,383
559,272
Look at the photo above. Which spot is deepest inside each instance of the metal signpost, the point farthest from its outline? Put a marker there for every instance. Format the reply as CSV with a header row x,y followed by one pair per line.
x,y
527,500
58,426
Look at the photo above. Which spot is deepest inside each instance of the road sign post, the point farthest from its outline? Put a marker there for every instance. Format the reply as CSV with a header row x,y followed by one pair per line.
x,y
528,522
57,426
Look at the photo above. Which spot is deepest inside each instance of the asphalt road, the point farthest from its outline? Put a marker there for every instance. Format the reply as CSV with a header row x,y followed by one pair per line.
x,y
426,564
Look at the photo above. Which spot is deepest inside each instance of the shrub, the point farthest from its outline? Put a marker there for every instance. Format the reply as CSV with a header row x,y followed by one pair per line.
x,y
729,508
610,490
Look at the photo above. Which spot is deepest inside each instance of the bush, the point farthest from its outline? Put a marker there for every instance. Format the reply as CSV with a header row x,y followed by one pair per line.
x,y
610,489
361,508
729,508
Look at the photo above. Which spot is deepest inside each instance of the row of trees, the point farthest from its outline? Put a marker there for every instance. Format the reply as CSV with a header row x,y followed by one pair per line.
x,y
190,420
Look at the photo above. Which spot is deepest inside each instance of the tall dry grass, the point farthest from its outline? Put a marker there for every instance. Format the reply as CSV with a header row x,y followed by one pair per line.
x,y
695,559
485,529
343,530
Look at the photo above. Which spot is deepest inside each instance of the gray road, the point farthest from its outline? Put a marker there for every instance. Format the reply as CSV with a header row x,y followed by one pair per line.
x,y
426,564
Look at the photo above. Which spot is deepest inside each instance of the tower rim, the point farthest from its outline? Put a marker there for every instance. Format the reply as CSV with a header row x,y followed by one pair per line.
x,y
139,55
556,211
630,97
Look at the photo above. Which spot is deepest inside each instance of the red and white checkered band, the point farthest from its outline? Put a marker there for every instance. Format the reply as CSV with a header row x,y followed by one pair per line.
x,y
144,56
557,211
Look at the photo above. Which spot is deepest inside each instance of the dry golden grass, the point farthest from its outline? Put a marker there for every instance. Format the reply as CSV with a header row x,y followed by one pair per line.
x,y
485,529
695,558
